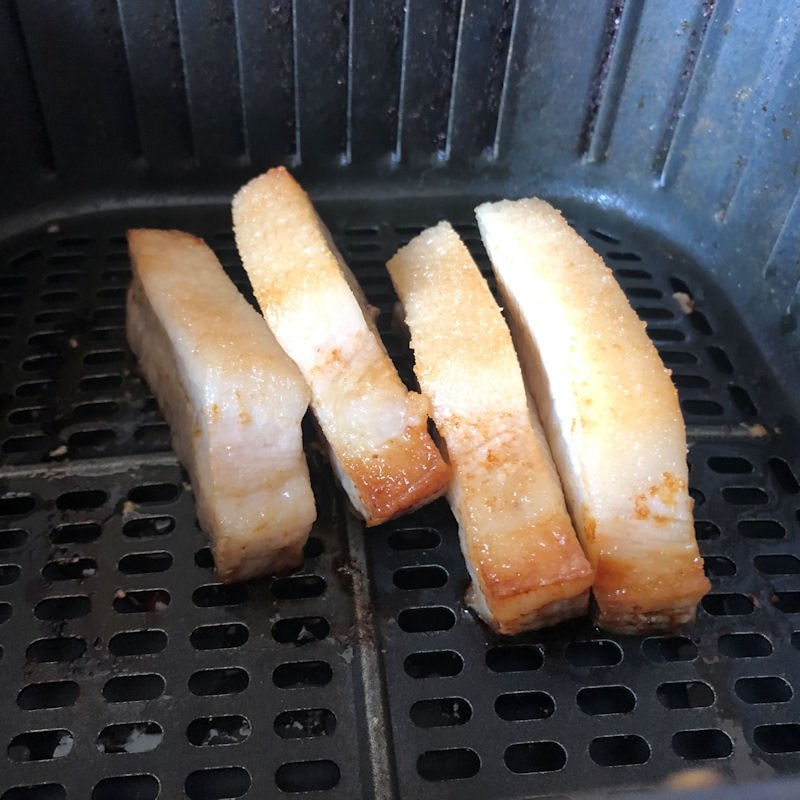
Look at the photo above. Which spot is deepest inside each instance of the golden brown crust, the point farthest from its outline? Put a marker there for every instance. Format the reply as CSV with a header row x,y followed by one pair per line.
x,y
375,428
610,411
527,566
398,478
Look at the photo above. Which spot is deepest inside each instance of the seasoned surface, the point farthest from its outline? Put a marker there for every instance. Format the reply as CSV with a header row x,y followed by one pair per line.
x,y
376,428
527,565
233,398
611,413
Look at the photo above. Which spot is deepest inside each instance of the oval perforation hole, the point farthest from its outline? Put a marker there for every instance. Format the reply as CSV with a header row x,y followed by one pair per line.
x,y
744,645
514,658
59,608
39,791
91,442
429,576
220,594
654,313
58,649
300,674
313,548
433,664
719,567
598,653
719,358
624,255
127,688
137,643
745,495
137,601
130,737
300,631
99,383
13,538
414,539
727,604
145,563
225,729
81,500
672,357
643,293
69,569
690,381
48,694
156,435
215,682
153,493
426,619
529,757
307,776
127,787
601,700
16,505
733,465
772,689
517,706
777,564
76,533
441,712
9,573
102,316
34,388
305,723
40,445
761,529
705,530
780,738
742,400
685,694
93,409
6,610
619,751
664,649
40,745
297,587
702,408
219,637
700,322
148,527
787,602
448,765
703,744
784,476
204,558
32,415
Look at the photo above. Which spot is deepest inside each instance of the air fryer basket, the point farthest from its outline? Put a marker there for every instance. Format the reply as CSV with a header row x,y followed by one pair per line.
x,y
666,132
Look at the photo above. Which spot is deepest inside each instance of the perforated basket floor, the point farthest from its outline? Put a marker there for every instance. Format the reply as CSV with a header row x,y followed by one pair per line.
x,y
126,671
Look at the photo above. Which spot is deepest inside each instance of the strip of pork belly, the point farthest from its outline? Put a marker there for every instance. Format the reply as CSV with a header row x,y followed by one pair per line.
x,y
527,567
376,429
610,412
233,399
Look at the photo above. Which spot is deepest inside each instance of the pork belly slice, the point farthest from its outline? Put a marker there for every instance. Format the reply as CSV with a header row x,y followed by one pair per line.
x,y
610,412
233,399
376,429
527,567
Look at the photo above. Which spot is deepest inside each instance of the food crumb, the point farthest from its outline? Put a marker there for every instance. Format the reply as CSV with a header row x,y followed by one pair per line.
x,y
757,431
54,228
58,452
128,507
684,301
187,487
72,342
693,779
120,593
